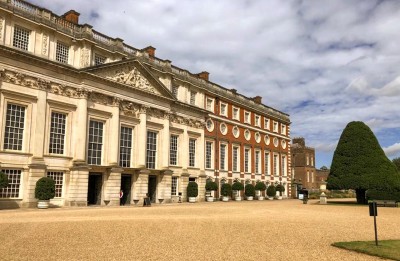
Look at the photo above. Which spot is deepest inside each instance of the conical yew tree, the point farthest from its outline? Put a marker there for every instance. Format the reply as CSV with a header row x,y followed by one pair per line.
x,y
359,163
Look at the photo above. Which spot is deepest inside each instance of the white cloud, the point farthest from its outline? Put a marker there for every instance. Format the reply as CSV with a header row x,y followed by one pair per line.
x,y
393,150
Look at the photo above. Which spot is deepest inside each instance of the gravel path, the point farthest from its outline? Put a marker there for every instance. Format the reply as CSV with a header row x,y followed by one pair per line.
x,y
257,230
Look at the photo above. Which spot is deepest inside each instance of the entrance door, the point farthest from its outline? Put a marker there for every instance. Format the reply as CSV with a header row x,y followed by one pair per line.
x,y
94,188
152,188
126,184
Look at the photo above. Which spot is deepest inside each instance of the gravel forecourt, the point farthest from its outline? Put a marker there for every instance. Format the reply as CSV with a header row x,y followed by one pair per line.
x,y
246,230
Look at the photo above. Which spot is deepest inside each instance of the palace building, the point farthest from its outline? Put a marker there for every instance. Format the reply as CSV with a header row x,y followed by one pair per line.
x,y
100,116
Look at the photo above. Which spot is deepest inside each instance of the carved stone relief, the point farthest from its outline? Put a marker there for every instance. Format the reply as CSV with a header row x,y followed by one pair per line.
x,y
1,28
84,58
45,44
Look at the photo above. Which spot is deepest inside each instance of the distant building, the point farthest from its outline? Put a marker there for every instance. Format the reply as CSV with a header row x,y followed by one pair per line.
x,y
303,159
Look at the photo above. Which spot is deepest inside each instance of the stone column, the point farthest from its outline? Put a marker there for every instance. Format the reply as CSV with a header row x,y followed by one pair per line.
x,y
80,128
142,134
183,186
165,142
184,150
164,187
114,134
38,129
200,152
202,186
141,186
112,187
78,185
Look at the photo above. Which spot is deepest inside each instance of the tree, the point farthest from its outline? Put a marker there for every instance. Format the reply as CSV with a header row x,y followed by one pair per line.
x,y
396,162
359,163
324,168
3,180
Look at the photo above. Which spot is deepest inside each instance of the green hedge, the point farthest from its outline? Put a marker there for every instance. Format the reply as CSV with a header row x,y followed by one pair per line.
x,y
226,189
381,195
237,186
45,188
211,185
260,186
192,189
271,191
249,190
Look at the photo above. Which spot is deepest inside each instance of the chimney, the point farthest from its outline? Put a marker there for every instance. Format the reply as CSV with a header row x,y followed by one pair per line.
x,y
257,99
203,75
71,16
150,50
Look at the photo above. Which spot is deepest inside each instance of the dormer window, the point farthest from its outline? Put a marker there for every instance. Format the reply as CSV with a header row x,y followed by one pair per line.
x,y
98,59
62,51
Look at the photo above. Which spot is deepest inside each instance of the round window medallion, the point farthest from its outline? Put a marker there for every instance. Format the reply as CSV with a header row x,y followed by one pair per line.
x,y
276,142
235,132
283,142
223,128
257,136
266,140
247,135
210,125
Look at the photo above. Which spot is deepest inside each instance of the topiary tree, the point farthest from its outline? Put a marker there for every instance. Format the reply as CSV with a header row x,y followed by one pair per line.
x,y
45,188
211,186
359,163
226,189
396,162
237,186
271,191
249,190
280,188
192,189
260,186
3,180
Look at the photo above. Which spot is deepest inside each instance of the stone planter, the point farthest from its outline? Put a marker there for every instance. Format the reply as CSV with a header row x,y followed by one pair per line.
x,y
43,204
249,198
192,199
270,198
238,198
210,199
225,198
260,198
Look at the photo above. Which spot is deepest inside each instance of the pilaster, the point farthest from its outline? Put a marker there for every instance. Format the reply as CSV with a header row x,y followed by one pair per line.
x,y
141,186
35,172
142,134
78,184
112,186
80,130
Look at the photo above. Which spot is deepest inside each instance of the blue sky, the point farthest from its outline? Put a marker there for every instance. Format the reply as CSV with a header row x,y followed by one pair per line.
x,y
326,63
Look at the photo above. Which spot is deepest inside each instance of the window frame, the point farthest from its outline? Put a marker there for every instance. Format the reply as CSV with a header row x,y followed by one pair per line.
x,y
237,117
257,120
267,163
59,55
192,152
225,105
171,149
59,188
247,117
257,161
155,151
237,167
176,178
211,156
130,161
224,159
29,40
11,185
267,123
103,144
247,162
211,104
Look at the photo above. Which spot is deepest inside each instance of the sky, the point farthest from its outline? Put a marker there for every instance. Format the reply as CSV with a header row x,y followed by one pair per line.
x,y
325,63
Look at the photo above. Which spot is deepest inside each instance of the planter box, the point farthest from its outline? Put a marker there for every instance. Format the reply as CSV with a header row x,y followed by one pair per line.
x,y
210,199
43,204
192,199
270,198
249,198
225,199
260,198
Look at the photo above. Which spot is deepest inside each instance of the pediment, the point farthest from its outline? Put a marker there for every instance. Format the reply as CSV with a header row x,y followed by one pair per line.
x,y
134,75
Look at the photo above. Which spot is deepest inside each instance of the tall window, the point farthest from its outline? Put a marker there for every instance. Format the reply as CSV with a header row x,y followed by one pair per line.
x,y
14,182
58,178
62,52
173,150
283,164
257,162
125,147
175,91
275,126
21,38
208,155
209,104
308,176
193,97
57,133
14,130
312,176
151,150
192,152
235,159
307,160
95,142
235,113
283,129
312,161
276,165
224,109
174,186
257,120
266,164
266,123
246,160
222,158
98,59
247,117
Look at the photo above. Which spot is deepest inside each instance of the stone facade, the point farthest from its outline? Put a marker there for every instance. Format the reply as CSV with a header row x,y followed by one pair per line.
x,y
100,116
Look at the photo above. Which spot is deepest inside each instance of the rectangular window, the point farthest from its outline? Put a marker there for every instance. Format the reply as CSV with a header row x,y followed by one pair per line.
x,y
283,129
312,161
223,109
247,117
174,186
312,177
58,178
209,154
266,164
62,51
222,157
210,104
276,165
192,152
14,129
125,147
235,159
275,126
308,160
283,164
21,38
235,113
173,150
98,59
308,176
247,160
193,97
14,182
151,150
57,133
95,142
257,162
266,123
257,120
175,91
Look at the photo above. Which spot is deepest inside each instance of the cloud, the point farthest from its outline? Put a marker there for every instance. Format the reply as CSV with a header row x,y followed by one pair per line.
x,y
393,150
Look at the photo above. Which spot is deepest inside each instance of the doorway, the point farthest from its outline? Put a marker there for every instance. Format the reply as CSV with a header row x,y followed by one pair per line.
x,y
126,184
94,188
152,188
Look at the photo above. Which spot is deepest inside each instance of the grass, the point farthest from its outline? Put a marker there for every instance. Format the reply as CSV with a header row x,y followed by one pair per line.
x,y
386,248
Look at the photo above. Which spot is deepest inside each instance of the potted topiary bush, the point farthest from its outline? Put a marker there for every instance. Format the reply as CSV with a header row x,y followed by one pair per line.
x,y
260,187
280,188
271,192
44,191
249,191
3,180
192,191
237,187
226,190
211,186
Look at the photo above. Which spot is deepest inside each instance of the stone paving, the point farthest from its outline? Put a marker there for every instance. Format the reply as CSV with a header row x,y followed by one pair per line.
x,y
247,230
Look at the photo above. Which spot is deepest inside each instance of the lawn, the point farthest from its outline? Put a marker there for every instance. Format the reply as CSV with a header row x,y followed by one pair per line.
x,y
385,249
